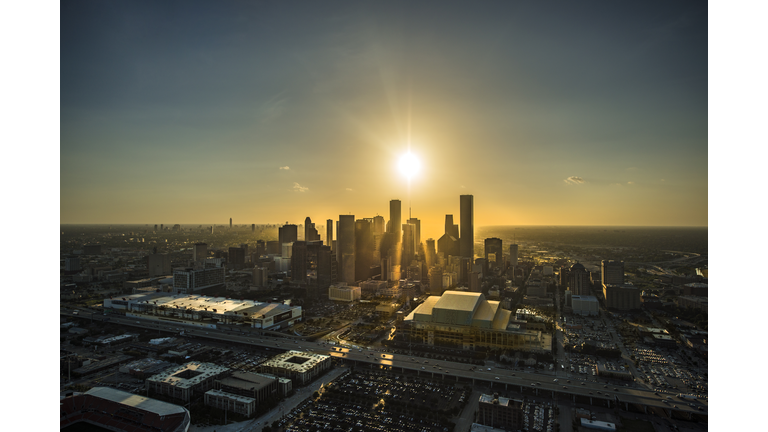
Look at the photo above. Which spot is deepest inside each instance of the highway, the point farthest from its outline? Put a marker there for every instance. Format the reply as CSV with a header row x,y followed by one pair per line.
x,y
542,384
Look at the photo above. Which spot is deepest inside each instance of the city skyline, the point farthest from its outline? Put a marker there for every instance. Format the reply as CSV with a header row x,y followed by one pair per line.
x,y
548,114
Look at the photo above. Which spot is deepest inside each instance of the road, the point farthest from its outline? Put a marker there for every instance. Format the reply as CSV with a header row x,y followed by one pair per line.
x,y
540,382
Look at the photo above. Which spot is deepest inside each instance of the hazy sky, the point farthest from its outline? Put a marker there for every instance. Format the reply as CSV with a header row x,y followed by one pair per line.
x,y
557,113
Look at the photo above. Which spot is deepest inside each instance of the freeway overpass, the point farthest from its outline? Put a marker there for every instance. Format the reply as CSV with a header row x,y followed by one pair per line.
x,y
538,384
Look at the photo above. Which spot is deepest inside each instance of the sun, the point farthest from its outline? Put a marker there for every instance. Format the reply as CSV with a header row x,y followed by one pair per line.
x,y
409,165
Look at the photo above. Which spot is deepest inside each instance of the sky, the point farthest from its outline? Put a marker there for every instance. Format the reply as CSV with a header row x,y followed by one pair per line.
x,y
549,113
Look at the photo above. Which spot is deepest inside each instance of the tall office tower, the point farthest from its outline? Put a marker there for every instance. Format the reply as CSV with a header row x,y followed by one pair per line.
x,y
436,280
467,234
325,267
274,248
244,246
236,258
494,253
416,232
161,227
329,233
230,223
299,262
430,253
286,250
378,225
613,272
578,280
155,227
409,251
450,228
199,252
253,228
287,233
260,276
475,281
363,249
211,229
448,245
395,219
261,247
345,248
310,233
513,255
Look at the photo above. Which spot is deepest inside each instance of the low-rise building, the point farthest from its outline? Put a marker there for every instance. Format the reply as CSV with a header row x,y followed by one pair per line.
x,y
300,367
230,402
257,386
694,302
585,305
500,412
621,297
180,382
342,292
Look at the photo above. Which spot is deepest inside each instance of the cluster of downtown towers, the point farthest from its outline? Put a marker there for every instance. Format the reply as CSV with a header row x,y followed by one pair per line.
x,y
369,248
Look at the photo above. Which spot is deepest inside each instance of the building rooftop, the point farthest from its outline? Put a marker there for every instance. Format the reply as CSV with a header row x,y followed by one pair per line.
x,y
189,374
136,401
461,301
247,380
297,361
220,393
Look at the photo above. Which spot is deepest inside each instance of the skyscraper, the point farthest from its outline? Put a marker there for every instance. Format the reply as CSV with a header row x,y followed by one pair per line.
x,y
416,232
287,233
467,234
613,272
578,280
230,223
513,255
408,244
450,228
494,253
199,252
236,258
299,262
395,219
430,253
345,248
310,233
363,249
253,227
329,233
378,225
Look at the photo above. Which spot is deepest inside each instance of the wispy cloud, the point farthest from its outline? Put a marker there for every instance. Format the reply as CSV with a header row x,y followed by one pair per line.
x,y
574,180
272,109
285,168
299,188
630,183
349,189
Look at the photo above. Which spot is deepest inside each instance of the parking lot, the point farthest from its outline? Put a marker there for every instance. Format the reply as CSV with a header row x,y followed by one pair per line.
x,y
380,401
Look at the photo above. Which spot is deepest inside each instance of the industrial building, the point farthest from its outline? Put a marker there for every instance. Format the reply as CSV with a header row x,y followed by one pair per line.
x,y
206,311
300,367
468,320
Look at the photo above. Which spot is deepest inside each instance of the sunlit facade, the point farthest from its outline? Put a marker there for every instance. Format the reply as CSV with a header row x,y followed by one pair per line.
x,y
467,320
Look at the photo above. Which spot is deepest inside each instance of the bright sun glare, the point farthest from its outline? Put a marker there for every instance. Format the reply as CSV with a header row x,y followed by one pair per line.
x,y
409,165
